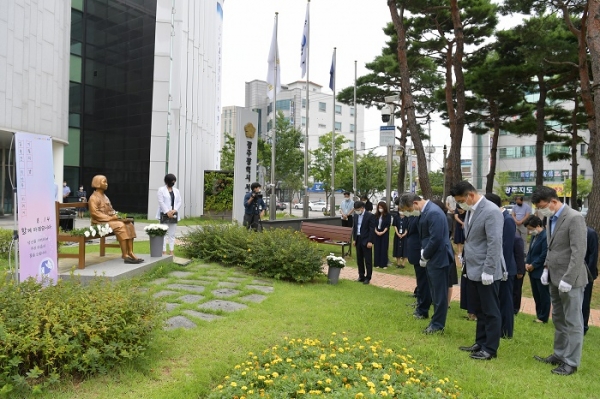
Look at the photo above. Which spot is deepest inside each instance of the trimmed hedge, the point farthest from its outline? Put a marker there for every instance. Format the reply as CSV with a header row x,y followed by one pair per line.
x,y
70,329
278,253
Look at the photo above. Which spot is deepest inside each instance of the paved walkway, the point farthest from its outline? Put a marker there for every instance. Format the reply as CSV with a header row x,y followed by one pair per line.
x,y
408,284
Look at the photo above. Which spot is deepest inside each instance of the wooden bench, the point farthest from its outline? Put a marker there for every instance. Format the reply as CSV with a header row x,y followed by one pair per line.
x,y
65,237
328,234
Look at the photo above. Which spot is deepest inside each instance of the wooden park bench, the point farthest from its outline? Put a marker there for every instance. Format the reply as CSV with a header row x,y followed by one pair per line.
x,y
327,234
66,237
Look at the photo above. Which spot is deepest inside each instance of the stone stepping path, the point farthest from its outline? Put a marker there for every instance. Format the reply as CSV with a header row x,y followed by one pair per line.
x,y
224,291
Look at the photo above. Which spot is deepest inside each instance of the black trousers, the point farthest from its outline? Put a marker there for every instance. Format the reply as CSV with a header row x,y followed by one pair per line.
x,y
585,306
507,309
252,222
487,309
541,296
364,261
423,292
348,222
517,293
438,286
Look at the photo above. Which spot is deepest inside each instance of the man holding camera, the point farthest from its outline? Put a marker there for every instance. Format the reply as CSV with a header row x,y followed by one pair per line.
x,y
254,207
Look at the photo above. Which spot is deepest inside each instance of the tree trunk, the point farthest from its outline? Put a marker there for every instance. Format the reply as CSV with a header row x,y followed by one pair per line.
x,y
540,132
489,187
455,172
593,41
408,103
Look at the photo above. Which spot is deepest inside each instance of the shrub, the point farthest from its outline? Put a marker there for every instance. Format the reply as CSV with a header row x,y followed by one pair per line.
x,y
68,328
278,253
6,237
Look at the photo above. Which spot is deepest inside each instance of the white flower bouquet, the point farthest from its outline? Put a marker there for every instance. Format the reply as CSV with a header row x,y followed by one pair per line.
x,y
335,261
94,231
156,230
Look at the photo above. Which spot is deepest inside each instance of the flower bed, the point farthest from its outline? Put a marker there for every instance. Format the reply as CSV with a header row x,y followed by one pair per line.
x,y
95,231
302,367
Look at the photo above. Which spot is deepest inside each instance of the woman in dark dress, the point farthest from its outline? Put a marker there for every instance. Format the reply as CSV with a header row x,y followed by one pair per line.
x,y
382,235
400,230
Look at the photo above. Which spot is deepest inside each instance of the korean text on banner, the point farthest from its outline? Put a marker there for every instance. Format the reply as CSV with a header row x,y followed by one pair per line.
x,y
36,209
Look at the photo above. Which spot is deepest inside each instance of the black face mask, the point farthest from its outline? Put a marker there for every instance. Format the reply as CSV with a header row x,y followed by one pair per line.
x,y
171,184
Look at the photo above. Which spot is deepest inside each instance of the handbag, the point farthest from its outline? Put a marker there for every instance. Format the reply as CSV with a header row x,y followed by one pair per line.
x,y
165,219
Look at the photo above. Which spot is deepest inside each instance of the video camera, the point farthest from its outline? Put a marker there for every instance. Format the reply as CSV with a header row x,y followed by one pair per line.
x,y
257,195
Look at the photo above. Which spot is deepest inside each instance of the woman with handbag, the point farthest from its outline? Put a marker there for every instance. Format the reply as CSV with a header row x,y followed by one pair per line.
x,y
169,202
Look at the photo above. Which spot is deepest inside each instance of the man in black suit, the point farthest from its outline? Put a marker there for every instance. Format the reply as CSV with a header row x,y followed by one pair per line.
x,y
363,233
591,260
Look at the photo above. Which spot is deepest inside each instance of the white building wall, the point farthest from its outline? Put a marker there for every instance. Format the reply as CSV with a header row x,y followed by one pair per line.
x,y
186,109
34,69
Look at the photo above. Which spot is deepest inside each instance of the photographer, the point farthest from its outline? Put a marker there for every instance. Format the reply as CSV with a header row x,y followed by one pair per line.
x,y
255,208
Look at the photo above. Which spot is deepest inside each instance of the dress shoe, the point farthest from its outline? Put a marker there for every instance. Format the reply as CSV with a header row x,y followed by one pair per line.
x,y
430,331
564,369
482,355
420,316
472,348
360,279
552,359
366,281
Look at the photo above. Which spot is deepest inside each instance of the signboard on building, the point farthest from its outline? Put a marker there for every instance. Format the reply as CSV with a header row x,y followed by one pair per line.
x,y
36,208
528,190
387,135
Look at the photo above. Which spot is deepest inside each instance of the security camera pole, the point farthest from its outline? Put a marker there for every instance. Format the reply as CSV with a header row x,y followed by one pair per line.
x,y
387,115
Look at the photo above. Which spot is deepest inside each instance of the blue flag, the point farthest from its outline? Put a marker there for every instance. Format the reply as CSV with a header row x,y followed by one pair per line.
x,y
332,73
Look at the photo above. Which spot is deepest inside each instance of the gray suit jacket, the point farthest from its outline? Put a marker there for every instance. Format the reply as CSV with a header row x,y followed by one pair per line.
x,y
483,241
566,249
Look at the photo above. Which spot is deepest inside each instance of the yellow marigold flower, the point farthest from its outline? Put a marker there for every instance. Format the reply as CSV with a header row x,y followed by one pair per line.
x,y
302,391
244,388
372,390
359,366
266,365
344,366
250,392
268,382
386,377
383,393
376,365
359,395
243,373
364,378
301,385
249,250
438,389
367,339
219,386
261,377
327,389
446,379
288,360
370,384
275,374
226,377
390,389
317,366
441,381
233,384
328,381
323,357
332,355
334,334
341,350
345,339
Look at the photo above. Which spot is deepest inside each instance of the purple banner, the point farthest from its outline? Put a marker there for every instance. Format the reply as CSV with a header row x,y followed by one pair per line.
x,y
36,208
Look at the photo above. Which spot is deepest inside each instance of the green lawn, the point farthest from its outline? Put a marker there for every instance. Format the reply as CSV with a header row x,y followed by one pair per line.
x,y
189,363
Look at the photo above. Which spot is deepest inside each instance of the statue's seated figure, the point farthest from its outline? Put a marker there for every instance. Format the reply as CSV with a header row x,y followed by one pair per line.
x,y
101,211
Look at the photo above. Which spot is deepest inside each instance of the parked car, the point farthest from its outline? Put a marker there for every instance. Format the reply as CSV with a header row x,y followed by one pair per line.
x,y
279,206
320,205
300,205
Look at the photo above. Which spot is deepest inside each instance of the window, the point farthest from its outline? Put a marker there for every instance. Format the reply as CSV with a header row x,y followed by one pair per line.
x,y
338,109
338,126
322,107
351,144
582,149
582,172
284,105
351,111
304,103
304,121
363,146
75,69
269,125
322,126
352,128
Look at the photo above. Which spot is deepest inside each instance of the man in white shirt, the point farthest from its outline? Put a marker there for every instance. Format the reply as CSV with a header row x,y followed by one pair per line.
x,y
346,210
520,214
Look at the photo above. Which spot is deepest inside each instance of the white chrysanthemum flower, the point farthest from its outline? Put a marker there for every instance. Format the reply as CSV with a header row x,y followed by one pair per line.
x,y
87,234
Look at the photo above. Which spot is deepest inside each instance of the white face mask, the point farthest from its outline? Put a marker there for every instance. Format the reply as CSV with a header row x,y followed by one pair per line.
x,y
380,210
358,212
547,212
465,206
534,232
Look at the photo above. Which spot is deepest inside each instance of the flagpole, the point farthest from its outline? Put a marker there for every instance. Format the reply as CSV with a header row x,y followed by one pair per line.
x,y
307,49
272,200
332,202
355,143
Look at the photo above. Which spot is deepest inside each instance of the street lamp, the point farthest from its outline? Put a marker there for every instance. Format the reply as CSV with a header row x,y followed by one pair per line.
x,y
387,116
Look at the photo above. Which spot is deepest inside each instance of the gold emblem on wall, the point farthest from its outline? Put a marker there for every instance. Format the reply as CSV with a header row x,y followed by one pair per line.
x,y
249,130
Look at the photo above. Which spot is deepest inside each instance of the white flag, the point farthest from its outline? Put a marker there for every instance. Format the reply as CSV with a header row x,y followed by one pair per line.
x,y
305,37
273,75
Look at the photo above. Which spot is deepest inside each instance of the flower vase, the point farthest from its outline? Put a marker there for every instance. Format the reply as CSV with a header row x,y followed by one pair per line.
x,y
156,246
333,275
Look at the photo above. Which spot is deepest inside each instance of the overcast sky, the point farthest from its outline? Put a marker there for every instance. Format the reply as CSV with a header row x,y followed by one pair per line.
x,y
354,27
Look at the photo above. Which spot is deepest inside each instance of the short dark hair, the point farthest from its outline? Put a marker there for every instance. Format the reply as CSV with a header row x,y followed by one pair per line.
x,y
364,197
254,185
462,188
359,204
495,198
170,178
407,199
543,193
533,221
519,197
346,192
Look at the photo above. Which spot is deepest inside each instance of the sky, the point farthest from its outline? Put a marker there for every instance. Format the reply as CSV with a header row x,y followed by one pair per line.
x,y
354,27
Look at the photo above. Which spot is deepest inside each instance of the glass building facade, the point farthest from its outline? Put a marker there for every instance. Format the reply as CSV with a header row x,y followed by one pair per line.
x,y
110,98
